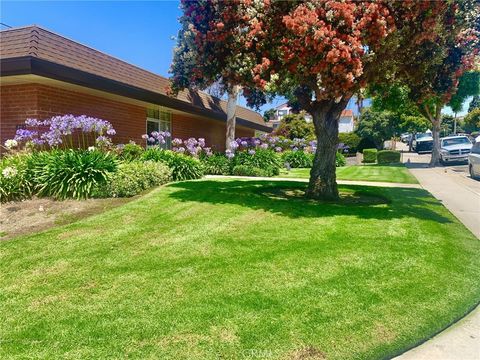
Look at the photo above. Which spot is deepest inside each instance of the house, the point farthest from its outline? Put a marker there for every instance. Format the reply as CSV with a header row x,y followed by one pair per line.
x,y
45,74
346,123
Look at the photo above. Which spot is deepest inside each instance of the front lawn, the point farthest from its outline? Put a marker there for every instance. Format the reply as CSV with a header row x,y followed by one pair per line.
x,y
384,173
240,269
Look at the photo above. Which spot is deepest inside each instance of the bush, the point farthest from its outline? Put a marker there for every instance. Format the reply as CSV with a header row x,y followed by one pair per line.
x,y
264,159
388,156
340,160
16,181
350,140
71,173
133,177
216,164
369,156
297,159
294,126
183,167
366,143
131,151
245,170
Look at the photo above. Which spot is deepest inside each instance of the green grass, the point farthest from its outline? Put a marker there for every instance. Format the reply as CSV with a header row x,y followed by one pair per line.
x,y
385,173
240,269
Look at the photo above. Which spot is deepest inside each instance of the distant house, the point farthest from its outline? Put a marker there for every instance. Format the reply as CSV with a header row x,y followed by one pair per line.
x,y
45,74
346,123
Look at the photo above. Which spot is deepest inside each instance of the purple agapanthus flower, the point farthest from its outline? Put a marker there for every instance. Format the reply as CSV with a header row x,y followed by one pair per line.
x,y
177,141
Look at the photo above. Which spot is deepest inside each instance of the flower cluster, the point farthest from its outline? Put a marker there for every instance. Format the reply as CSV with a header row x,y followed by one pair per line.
x,y
191,146
275,143
59,130
10,144
156,137
9,172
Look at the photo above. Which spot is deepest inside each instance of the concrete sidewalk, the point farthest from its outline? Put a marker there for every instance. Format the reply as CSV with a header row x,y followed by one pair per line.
x,y
452,186
460,341
461,195
341,182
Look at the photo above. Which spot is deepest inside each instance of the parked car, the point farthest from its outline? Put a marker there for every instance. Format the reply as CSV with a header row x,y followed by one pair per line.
x,y
423,142
474,161
406,138
454,148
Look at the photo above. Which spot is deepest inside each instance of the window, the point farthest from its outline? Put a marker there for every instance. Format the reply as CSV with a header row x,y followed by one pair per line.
x,y
456,141
476,148
159,120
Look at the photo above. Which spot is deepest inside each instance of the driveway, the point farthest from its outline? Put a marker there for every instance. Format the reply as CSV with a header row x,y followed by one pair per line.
x,y
452,185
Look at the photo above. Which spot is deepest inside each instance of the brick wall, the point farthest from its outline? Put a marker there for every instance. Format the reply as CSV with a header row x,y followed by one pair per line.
x,y
19,102
213,131
128,120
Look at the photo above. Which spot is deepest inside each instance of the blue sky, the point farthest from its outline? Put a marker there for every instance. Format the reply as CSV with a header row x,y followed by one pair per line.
x,y
139,32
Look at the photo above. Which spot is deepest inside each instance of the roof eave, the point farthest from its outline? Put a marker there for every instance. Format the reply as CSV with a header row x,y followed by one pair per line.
x,y
32,65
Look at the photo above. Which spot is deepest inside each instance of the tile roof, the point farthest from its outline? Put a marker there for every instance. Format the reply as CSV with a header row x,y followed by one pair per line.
x,y
37,42
347,112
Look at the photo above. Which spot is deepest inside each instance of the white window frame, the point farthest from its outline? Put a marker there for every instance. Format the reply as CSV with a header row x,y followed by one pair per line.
x,y
165,118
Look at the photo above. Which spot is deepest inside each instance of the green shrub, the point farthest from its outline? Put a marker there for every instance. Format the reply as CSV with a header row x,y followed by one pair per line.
x,y
131,151
133,177
340,160
245,170
388,156
369,156
71,173
183,167
294,126
16,181
297,159
366,143
264,159
216,164
351,140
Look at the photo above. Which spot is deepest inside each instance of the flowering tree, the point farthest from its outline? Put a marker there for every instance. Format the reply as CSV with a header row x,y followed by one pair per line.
x,y
436,73
200,61
319,53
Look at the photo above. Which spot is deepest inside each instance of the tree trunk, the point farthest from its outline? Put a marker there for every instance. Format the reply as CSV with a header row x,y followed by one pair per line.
x,y
410,142
231,116
436,143
436,121
323,185
455,124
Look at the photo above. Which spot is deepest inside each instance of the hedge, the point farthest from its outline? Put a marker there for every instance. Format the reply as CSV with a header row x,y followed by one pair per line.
x,y
369,156
388,156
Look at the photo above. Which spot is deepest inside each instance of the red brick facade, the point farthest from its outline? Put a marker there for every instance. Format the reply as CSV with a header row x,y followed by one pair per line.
x,y
19,102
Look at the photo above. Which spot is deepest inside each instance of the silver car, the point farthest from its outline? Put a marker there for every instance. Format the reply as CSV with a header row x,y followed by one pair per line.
x,y
474,161
454,148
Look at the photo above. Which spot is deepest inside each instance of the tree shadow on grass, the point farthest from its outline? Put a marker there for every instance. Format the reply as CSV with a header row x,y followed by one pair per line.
x,y
286,198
